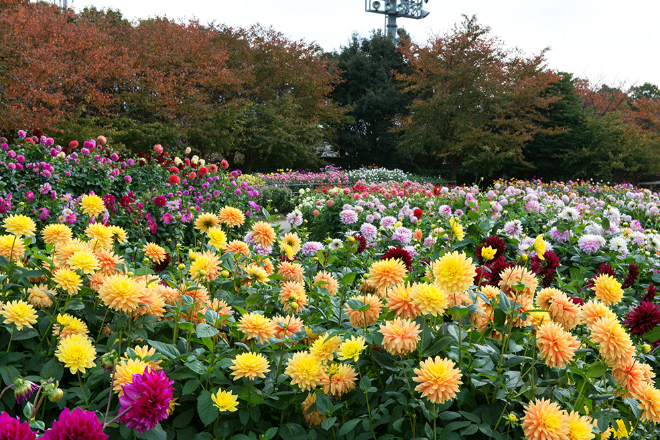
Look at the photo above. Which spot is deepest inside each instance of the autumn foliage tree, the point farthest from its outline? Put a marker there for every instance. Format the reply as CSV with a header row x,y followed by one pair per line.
x,y
183,80
477,102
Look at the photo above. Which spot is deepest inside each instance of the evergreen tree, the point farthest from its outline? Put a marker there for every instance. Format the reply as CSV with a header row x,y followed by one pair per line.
x,y
367,67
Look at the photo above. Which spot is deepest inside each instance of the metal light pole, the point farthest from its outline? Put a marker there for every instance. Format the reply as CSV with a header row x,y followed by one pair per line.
x,y
396,8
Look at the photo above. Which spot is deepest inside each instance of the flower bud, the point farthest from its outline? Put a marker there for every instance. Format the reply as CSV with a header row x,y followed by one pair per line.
x,y
512,418
294,306
181,266
108,360
130,274
56,395
646,348
293,297
146,260
225,273
23,389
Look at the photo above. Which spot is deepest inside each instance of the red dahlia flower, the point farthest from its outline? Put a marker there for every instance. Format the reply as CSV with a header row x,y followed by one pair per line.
x,y
642,319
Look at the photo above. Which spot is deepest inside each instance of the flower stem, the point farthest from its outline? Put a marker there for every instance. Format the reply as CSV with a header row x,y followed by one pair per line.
x,y
82,390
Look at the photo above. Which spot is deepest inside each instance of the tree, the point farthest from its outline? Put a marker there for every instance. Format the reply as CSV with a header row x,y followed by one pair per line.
x,y
546,153
372,96
476,102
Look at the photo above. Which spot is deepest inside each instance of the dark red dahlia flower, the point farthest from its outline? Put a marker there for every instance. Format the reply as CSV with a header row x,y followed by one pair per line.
x,y
650,294
482,277
642,319
159,267
494,242
631,278
496,268
362,244
546,268
418,213
576,300
399,254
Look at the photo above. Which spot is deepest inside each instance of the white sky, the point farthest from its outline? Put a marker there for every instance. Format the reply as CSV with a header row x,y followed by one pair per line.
x,y
617,42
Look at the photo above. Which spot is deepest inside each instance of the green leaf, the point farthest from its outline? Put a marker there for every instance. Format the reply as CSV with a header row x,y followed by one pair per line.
x,y
190,386
207,411
328,423
597,370
168,350
653,335
348,278
323,404
348,427
205,331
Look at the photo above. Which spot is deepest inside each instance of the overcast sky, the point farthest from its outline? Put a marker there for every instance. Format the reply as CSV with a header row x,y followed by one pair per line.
x,y
609,41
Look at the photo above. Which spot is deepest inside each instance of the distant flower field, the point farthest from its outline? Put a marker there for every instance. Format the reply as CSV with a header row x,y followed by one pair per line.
x,y
157,297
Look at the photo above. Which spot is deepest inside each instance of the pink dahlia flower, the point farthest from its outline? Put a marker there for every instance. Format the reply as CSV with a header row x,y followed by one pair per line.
x,y
146,400
77,424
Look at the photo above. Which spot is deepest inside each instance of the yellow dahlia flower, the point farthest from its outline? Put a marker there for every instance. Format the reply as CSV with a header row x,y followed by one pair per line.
x,y
217,238
250,365
351,348
76,353
92,205
305,370
19,313
67,280
19,225
607,289
121,293
429,298
454,272
206,221
225,401
83,261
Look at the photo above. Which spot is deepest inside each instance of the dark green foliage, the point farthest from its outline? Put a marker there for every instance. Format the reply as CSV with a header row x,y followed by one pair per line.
x,y
367,67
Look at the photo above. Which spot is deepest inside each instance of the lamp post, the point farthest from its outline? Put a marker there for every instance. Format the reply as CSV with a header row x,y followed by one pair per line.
x,y
392,9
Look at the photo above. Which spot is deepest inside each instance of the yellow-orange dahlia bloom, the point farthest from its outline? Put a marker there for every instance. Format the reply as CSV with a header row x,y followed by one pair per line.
x,y
305,370
92,204
56,233
231,216
38,296
257,326
155,252
324,347
512,276
607,289
263,234
250,365
238,247
579,427
387,273
84,261
429,298
331,286
454,272
100,235
11,247
594,310
293,296
649,402
544,420
19,313
291,271
400,336
206,221
615,344
108,261
206,267
438,379
368,317
124,373
287,326
401,302
313,418
67,280
556,346
544,297
121,293
339,379
632,376
19,225
564,311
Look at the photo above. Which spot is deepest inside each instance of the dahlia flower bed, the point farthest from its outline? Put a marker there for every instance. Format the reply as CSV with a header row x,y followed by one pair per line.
x,y
153,196
523,311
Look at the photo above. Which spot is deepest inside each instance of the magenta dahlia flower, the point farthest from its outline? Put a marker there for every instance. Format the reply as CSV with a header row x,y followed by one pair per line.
x,y
76,425
12,429
642,319
146,400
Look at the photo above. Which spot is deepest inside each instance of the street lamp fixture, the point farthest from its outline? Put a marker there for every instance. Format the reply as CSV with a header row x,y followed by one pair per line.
x,y
394,9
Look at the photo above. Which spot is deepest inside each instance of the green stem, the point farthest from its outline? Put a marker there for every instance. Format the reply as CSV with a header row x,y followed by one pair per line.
x,y
366,395
82,390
